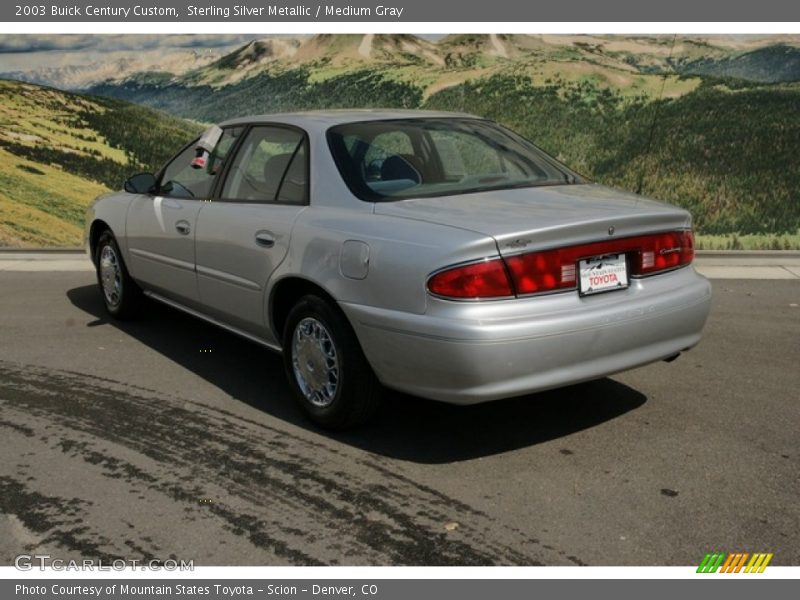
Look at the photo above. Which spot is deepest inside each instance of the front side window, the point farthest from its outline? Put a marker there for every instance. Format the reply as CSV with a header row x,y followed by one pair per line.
x,y
270,166
181,180
413,158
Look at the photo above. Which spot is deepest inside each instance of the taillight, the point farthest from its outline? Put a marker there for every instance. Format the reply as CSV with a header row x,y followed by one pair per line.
x,y
556,270
487,279
546,271
664,251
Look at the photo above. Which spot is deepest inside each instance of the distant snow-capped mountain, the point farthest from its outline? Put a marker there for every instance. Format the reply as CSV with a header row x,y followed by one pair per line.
x,y
118,66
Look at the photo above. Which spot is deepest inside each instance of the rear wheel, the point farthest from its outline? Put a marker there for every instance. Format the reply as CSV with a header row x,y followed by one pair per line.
x,y
327,371
121,296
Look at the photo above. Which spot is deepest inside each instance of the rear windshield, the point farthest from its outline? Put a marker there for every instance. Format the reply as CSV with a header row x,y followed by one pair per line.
x,y
414,158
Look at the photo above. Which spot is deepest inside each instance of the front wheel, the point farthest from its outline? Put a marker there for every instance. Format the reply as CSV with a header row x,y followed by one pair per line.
x,y
121,296
327,370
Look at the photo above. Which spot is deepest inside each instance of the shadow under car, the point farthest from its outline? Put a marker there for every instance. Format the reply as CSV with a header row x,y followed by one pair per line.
x,y
407,427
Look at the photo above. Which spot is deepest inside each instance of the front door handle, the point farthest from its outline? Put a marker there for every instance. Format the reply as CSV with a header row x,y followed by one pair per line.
x,y
265,239
183,227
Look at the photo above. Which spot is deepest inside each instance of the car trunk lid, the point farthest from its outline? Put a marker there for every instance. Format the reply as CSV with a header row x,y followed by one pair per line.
x,y
529,219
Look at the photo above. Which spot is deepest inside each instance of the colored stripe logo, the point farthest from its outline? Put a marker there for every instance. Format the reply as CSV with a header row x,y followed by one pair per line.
x,y
739,562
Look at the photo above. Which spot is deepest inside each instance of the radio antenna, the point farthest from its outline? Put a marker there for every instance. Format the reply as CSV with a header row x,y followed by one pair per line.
x,y
651,134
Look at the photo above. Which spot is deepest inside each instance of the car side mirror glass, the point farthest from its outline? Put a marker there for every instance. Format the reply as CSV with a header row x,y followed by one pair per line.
x,y
141,183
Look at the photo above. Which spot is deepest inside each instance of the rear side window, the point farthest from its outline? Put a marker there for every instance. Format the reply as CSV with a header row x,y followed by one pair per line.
x,y
181,180
270,166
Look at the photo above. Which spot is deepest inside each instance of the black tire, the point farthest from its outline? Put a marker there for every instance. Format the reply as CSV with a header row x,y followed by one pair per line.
x,y
125,302
334,398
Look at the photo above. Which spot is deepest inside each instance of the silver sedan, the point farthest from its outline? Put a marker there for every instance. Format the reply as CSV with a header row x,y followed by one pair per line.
x,y
435,253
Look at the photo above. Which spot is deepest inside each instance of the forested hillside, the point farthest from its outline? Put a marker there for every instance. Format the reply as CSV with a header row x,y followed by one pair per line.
x,y
711,124
728,155
59,150
713,129
772,64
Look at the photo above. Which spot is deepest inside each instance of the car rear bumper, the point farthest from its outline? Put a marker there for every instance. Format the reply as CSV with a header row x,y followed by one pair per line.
x,y
470,352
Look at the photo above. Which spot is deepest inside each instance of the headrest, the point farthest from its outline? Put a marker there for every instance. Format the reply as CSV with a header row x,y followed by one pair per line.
x,y
275,167
397,167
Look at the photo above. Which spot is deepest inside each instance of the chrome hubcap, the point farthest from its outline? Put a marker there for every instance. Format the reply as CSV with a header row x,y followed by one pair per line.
x,y
110,276
315,362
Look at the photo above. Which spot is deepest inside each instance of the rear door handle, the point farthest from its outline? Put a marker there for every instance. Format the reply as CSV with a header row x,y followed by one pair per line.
x,y
265,239
183,227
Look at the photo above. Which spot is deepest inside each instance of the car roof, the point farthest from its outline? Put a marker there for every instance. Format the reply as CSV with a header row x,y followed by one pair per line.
x,y
323,119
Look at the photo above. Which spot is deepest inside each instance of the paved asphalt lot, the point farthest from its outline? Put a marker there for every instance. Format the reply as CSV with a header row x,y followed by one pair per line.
x,y
169,438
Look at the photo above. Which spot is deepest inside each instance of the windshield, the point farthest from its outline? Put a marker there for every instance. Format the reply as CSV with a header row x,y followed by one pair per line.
x,y
414,158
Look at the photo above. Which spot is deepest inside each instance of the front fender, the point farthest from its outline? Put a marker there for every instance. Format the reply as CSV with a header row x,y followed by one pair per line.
x,y
110,209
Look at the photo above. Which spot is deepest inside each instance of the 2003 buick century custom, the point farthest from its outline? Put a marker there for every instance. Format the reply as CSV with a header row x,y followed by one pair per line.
x,y
435,253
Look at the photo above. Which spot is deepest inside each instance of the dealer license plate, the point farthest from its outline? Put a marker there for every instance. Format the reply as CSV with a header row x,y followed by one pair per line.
x,y
603,274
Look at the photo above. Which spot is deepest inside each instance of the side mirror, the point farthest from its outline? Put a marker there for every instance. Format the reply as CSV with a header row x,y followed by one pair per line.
x,y
142,183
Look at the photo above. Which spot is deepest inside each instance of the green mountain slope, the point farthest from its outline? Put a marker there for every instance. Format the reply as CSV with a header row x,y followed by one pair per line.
x,y
611,107
728,155
773,64
59,150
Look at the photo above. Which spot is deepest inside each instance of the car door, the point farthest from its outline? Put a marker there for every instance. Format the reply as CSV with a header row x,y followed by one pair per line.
x,y
160,226
243,235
